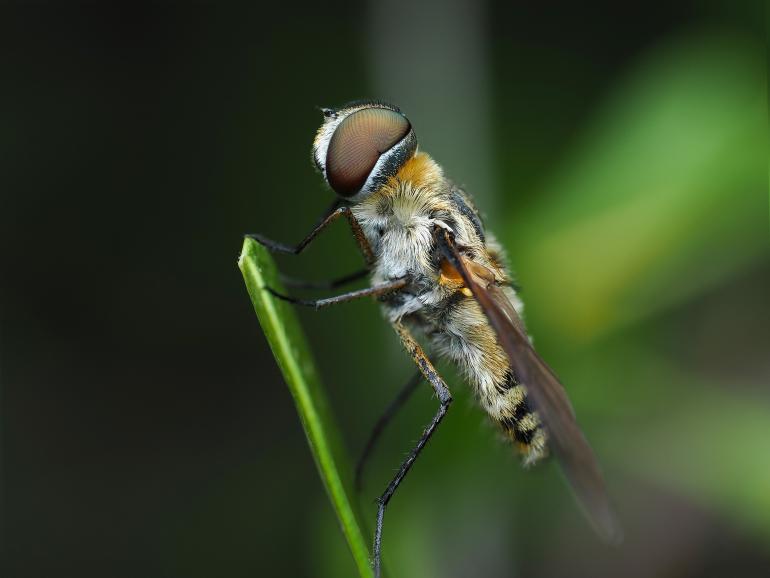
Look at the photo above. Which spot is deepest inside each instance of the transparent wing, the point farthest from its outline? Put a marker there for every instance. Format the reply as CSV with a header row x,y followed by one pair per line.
x,y
547,395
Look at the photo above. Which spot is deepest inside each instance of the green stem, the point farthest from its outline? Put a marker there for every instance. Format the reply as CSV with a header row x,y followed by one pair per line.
x,y
281,327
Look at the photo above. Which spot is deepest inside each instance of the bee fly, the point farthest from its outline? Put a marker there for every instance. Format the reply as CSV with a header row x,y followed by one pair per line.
x,y
439,273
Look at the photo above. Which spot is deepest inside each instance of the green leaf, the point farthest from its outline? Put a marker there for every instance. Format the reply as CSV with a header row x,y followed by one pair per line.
x,y
283,332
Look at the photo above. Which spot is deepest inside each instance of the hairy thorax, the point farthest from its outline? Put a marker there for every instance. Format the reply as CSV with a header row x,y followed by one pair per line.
x,y
399,221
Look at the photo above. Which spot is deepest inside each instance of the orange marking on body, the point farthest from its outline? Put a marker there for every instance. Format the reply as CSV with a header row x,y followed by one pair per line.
x,y
449,275
421,170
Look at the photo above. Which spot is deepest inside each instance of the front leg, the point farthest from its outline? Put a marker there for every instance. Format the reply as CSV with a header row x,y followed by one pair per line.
x,y
332,214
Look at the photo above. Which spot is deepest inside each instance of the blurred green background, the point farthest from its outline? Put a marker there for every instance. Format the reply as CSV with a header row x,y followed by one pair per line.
x,y
619,153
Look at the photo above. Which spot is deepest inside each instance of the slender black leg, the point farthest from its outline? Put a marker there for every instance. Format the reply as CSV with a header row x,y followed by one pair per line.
x,y
332,214
329,284
445,398
390,411
374,291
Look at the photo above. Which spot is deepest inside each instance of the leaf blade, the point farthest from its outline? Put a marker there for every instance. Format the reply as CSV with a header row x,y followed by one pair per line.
x,y
289,346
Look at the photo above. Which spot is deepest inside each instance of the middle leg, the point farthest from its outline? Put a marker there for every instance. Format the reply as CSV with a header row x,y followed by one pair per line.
x,y
373,291
328,284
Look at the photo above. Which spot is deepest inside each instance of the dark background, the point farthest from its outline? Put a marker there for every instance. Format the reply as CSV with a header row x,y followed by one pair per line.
x,y
146,430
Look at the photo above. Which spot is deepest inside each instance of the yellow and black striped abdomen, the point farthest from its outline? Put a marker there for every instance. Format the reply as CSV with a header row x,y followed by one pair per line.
x,y
520,423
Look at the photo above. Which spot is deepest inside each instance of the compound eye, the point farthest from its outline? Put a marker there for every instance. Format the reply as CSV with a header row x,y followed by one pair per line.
x,y
356,146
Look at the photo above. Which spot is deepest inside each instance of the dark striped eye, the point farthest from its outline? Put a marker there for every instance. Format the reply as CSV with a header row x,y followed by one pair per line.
x,y
356,146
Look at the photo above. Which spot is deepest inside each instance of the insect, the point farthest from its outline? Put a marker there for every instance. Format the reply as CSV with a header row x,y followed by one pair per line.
x,y
440,274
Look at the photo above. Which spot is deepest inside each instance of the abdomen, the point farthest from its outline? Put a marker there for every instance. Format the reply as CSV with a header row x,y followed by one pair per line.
x,y
466,338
